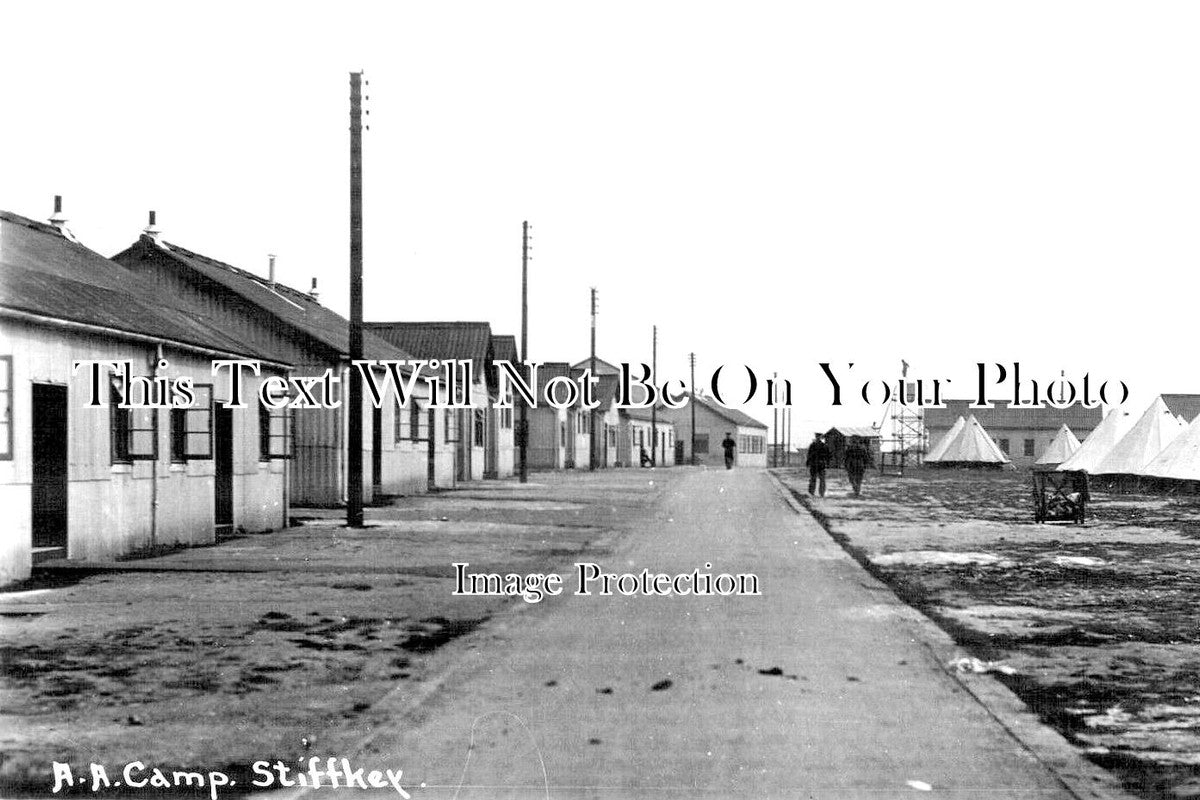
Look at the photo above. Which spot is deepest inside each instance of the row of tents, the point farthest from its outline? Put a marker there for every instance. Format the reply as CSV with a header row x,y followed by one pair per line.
x,y
1154,444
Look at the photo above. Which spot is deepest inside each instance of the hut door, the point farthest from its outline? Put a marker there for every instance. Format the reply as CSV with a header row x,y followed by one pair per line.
x,y
223,470
377,452
463,448
491,439
49,417
431,459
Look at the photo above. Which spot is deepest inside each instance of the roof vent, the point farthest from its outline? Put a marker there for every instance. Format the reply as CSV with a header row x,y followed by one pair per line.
x,y
152,230
271,269
313,291
59,219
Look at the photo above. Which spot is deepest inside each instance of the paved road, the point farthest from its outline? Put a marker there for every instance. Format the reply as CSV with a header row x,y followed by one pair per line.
x,y
559,700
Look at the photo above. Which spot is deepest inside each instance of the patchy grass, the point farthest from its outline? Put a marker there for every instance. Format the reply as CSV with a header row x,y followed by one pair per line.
x,y
1101,621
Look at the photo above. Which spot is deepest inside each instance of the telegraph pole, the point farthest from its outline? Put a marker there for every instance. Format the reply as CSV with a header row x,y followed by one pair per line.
x,y
354,462
774,427
523,424
591,412
692,360
654,406
787,461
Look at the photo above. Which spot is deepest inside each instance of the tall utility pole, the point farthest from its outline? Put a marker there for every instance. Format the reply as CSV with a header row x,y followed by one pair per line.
x,y
591,412
692,360
354,464
654,406
788,460
523,424
774,460
775,426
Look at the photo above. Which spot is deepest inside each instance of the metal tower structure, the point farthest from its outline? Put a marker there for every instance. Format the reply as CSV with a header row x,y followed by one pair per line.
x,y
902,436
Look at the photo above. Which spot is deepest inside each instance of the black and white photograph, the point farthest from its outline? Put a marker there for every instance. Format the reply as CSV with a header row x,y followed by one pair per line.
x,y
534,400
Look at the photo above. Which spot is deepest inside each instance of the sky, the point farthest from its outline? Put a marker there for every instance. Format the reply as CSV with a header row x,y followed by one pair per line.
x,y
774,185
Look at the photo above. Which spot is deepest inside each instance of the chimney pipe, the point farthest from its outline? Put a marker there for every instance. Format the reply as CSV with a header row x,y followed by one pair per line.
x,y
152,228
313,291
59,219
271,269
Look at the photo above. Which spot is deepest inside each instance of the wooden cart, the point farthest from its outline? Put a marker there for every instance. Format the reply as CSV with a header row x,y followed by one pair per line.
x,y
1060,496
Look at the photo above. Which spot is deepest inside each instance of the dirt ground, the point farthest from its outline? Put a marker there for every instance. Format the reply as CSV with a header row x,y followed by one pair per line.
x,y
279,645
1100,623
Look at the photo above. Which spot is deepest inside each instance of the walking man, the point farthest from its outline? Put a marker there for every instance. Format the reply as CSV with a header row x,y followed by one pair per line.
x,y
818,459
730,446
857,459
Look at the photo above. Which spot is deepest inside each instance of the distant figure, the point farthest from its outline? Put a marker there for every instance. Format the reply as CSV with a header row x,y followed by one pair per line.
x,y
818,459
730,446
646,458
857,458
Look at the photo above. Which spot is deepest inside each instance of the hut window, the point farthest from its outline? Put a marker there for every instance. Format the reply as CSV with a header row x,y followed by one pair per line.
x,y
134,430
274,434
191,428
451,426
701,446
1028,447
399,421
6,408
1004,446
414,420
420,423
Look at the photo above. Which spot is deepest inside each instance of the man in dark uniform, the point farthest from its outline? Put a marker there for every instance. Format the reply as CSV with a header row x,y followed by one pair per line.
x,y
730,446
857,459
818,459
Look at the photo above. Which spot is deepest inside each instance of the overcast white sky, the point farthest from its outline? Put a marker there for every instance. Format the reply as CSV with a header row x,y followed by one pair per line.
x,y
773,184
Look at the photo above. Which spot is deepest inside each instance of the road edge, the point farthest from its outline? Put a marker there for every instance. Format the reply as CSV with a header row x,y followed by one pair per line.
x,y
1082,778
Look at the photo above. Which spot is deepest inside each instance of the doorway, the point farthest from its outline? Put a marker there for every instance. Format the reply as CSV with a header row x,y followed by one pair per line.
x,y
464,431
223,470
431,453
49,455
377,455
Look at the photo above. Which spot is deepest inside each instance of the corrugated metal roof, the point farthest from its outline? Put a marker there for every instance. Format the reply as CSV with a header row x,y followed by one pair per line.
x,y
730,414
552,369
1001,417
1186,405
606,386
504,348
602,367
862,431
643,414
291,306
460,341
45,273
